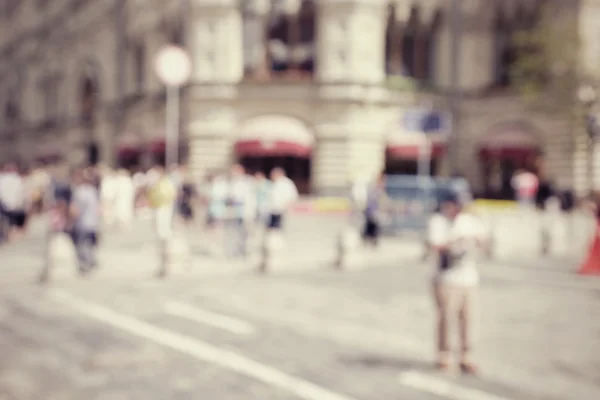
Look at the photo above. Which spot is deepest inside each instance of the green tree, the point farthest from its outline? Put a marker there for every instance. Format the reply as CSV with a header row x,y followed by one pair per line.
x,y
546,67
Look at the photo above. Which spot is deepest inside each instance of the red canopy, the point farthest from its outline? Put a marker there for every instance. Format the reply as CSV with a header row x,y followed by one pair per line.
x,y
259,148
411,151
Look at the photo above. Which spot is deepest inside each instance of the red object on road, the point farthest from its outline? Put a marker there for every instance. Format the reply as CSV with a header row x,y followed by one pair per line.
x,y
591,266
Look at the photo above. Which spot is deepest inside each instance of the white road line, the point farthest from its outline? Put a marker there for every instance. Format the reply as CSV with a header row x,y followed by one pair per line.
x,y
220,321
429,384
200,350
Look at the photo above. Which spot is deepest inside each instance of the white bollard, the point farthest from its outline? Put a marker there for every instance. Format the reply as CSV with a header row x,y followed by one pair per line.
x,y
348,248
272,251
59,251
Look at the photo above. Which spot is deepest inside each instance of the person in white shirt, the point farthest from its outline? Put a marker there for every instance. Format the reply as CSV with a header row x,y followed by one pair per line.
x,y
281,197
455,236
216,196
241,206
108,195
124,198
13,196
3,215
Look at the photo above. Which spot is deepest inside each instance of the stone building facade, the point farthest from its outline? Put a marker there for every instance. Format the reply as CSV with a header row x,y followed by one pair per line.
x,y
321,87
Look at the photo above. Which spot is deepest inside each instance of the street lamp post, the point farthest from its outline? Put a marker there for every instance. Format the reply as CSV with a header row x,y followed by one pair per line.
x,y
588,96
456,27
173,67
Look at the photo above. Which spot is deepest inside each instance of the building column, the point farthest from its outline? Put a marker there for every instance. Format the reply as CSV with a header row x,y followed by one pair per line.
x,y
211,136
349,145
476,64
350,54
216,47
351,41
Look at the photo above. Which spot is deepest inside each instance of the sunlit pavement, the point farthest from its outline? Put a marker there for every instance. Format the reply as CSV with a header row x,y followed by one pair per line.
x,y
313,333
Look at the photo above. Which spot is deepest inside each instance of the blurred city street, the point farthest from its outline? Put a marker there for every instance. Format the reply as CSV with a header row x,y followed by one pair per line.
x,y
218,330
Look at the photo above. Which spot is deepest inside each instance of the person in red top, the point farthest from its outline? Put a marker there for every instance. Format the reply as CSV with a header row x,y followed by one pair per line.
x,y
525,185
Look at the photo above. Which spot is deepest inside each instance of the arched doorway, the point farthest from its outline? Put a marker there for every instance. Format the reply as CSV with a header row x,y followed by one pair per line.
x,y
270,141
507,148
130,151
88,101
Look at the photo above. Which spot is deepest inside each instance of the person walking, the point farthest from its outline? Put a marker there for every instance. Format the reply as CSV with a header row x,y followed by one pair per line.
x,y
283,194
58,227
124,199
455,236
239,202
86,210
3,212
162,196
108,195
262,187
374,204
13,196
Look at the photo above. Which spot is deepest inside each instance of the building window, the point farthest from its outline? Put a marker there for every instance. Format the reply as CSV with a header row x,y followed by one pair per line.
x,y
507,46
177,36
409,44
504,52
49,90
279,41
11,111
88,101
138,66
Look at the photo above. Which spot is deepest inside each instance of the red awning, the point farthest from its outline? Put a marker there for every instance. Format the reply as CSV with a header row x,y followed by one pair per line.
x,y
277,148
128,152
512,139
512,152
157,146
411,151
274,135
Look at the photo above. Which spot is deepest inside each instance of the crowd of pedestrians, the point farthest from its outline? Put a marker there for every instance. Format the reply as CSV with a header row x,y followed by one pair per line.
x,y
83,203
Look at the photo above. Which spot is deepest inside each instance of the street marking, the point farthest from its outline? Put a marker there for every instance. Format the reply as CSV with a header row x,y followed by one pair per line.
x,y
200,350
220,321
439,387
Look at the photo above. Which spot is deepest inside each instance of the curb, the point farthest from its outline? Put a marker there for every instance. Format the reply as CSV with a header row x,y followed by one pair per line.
x,y
340,205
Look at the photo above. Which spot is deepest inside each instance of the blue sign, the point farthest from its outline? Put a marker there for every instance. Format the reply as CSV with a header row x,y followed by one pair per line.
x,y
426,121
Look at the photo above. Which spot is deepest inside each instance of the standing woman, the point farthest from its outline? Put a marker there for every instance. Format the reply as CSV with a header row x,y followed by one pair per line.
x,y
375,199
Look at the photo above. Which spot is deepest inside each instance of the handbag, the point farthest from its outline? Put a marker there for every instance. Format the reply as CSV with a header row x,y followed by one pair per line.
x,y
446,260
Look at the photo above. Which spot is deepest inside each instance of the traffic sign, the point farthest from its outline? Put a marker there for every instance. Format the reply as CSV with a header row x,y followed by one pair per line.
x,y
426,121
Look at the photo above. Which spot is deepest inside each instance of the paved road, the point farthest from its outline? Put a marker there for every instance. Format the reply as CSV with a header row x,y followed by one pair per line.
x,y
301,333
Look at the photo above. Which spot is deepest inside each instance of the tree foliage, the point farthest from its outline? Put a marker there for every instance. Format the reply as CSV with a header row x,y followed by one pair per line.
x,y
546,67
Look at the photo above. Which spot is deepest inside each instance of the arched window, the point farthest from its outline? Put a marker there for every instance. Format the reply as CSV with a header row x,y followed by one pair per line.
x,y
279,41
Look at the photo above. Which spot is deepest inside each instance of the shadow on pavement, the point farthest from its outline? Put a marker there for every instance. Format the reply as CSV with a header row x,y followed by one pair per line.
x,y
387,362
